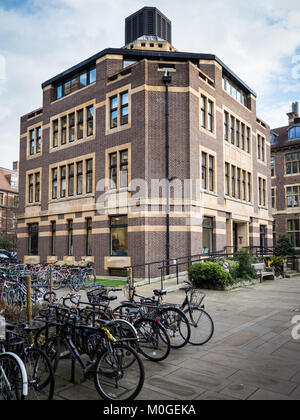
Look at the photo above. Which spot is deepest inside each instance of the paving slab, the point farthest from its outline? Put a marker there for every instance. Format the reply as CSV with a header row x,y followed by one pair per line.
x,y
251,356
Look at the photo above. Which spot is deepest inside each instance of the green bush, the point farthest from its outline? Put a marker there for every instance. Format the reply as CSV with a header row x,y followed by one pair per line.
x,y
209,275
244,269
277,263
284,247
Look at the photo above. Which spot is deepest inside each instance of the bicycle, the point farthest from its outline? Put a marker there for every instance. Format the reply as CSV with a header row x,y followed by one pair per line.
x,y
171,317
116,368
201,323
40,375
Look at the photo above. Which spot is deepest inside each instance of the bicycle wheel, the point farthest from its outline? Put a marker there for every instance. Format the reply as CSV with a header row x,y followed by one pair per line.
x,y
40,375
154,342
202,326
177,326
13,378
115,381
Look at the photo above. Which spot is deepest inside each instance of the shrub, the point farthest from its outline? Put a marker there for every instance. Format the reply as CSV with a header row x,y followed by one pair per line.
x,y
284,247
209,275
244,268
277,263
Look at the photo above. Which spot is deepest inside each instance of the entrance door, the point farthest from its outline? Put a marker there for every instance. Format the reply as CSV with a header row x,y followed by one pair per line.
x,y
262,239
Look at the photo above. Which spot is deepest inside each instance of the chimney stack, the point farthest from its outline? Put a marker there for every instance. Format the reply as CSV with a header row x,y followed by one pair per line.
x,y
294,114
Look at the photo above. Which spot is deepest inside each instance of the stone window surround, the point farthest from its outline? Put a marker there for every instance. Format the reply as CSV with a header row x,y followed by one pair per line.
x,y
110,95
117,150
29,129
242,121
75,110
28,173
66,163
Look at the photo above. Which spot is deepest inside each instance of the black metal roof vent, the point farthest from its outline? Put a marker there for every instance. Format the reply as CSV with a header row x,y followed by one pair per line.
x,y
148,22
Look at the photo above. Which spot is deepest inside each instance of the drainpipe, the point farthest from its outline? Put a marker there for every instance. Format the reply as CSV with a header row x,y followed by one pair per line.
x,y
167,80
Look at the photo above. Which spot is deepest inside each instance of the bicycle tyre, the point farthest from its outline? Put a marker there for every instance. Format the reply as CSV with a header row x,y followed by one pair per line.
x,y
200,334
108,376
15,372
177,325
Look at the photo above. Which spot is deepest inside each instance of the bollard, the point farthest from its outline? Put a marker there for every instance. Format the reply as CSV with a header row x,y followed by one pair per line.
x,y
51,284
29,307
130,283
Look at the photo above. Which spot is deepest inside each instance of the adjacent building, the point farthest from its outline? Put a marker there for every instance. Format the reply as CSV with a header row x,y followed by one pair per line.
x,y
9,201
285,173
111,129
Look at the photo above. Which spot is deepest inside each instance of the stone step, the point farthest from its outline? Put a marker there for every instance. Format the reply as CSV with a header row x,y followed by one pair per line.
x,y
290,274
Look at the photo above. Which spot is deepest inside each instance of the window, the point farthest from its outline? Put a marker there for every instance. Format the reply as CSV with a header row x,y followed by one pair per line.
x,y
226,126
32,142
78,81
203,111
227,179
243,136
64,130
210,116
92,76
294,232
89,237
1,199
30,189
79,177
233,189
244,186
90,121
237,133
273,198
71,180
273,138
261,148
89,176
294,133
211,170
272,166
53,239
113,165
80,124
262,192
55,133
119,236
292,194
248,140
207,235
63,183
37,187
124,108
249,188
54,184
237,93
114,112
238,183
70,238
38,139
59,93
232,123
204,171
33,239
124,169
292,163
72,127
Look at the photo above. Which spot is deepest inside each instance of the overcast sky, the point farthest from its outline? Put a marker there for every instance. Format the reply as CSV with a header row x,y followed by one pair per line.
x,y
258,40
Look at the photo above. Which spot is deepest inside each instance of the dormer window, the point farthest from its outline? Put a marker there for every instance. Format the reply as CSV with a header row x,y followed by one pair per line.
x,y
294,133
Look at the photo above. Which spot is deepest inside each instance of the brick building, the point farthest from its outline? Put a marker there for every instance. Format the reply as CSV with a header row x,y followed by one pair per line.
x,y
285,168
9,201
143,112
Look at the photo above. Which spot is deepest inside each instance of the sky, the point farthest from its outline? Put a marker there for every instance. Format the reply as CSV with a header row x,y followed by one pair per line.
x,y
258,40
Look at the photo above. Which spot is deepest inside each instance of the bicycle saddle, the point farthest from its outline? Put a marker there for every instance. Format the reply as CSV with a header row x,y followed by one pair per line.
x,y
160,292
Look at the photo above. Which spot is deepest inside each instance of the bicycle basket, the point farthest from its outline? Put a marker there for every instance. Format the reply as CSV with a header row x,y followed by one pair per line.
x,y
96,296
197,297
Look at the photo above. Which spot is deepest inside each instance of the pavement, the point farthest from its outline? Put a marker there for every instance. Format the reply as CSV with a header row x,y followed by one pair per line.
x,y
252,355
